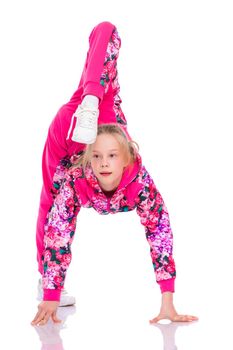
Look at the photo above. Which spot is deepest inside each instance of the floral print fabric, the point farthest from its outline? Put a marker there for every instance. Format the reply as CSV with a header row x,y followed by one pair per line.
x,y
70,195
110,75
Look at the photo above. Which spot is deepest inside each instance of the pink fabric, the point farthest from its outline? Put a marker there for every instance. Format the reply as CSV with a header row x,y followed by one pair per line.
x,y
167,285
56,145
52,294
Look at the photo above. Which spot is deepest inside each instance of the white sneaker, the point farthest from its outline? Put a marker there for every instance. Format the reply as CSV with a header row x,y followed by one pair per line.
x,y
85,130
66,299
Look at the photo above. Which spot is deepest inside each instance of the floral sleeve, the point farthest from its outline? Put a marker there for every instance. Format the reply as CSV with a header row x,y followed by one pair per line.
x,y
58,236
154,217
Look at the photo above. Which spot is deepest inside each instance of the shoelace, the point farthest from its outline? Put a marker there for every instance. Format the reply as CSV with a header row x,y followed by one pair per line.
x,y
87,118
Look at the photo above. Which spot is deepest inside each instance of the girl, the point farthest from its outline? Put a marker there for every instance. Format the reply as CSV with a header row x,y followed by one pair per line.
x,y
109,177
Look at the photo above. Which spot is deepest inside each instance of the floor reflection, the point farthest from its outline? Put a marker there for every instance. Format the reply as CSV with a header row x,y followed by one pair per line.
x,y
49,334
168,331
51,339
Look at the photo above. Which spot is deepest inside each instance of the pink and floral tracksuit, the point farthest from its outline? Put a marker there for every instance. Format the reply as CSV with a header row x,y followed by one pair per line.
x,y
66,190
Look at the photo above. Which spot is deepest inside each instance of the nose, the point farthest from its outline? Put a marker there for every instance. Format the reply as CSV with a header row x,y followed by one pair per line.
x,y
104,163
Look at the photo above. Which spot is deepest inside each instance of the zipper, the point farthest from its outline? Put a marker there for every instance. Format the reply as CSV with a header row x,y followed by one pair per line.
x,y
108,204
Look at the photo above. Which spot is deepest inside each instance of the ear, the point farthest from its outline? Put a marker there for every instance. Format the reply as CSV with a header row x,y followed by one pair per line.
x,y
126,161
126,164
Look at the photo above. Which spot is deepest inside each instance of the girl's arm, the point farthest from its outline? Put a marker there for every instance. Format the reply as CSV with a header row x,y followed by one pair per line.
x,y
154,217
59,233
58,236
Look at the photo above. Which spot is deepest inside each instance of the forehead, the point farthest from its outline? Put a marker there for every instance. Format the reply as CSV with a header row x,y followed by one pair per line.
x,y
106,142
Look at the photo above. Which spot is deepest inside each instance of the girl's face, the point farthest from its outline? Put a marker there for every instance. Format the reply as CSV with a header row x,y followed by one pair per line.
x,y
107,161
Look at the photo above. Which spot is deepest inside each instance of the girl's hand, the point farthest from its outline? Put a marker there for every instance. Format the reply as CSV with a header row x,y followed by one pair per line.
x,y
174,317
168,311
46,309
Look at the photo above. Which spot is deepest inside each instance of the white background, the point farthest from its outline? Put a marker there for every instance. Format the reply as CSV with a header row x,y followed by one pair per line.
x,y
175,71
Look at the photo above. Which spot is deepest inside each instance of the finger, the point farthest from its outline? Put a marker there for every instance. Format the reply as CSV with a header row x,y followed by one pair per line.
x,y
33,321
192,318
42,322
38,313
184,318
179,318
55,318
155,320
45,319
39,316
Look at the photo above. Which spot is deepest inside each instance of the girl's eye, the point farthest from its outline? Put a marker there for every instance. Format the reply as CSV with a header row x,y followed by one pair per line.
x,y
113,155
95,156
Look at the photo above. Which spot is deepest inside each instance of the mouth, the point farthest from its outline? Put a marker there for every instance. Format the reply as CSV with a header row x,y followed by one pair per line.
x,y
105,173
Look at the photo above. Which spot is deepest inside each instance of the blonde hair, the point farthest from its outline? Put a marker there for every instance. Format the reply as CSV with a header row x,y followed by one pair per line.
x,y
130,148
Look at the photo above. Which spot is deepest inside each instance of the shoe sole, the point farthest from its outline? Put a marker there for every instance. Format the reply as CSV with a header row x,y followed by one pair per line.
x,y
66,305
60,305
84,142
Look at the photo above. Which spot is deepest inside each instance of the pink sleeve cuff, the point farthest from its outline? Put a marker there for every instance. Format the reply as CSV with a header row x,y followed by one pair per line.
x,y
95,89
167,285
52,295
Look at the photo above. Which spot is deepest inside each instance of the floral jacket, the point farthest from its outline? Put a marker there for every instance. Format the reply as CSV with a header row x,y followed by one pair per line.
x,y
76,188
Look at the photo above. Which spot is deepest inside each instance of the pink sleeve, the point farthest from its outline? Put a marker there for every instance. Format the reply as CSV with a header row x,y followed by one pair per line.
x,y
59,234
155,218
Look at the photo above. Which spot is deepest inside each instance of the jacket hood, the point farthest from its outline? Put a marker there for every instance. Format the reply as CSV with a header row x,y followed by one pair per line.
x,y
129,174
